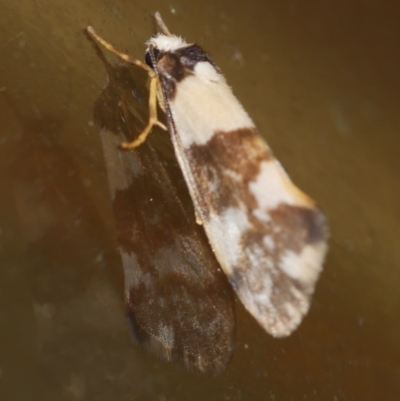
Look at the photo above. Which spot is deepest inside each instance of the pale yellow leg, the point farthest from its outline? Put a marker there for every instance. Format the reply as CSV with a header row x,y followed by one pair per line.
x,y
152,95
152,117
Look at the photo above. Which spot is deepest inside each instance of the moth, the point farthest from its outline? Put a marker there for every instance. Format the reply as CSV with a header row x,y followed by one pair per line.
x,y
269,237
179,304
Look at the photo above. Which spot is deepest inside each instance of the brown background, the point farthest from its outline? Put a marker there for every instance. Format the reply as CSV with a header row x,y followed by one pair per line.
x,y
321,81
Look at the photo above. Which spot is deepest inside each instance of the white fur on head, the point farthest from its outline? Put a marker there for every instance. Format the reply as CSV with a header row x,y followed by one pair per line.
x,y
167,43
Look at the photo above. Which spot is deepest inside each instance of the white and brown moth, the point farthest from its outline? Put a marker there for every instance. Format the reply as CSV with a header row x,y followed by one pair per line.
x,y
269,237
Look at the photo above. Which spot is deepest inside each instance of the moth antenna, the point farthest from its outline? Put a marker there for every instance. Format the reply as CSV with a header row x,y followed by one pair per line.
x,y
161,24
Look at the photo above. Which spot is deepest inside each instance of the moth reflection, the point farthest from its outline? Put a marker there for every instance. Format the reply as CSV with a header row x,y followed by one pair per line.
x,y
179,302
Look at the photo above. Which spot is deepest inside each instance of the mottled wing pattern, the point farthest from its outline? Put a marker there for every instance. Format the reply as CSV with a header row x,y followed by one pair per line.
x,y
269,237
178,300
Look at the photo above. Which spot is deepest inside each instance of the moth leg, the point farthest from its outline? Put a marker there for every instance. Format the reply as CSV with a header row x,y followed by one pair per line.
x,y
121,55
153,120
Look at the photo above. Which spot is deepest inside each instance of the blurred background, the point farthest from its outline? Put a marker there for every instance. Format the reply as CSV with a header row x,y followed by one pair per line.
x,y
321,81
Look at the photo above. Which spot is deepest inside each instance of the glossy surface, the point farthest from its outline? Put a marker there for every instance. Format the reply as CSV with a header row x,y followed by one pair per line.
x,y
320,80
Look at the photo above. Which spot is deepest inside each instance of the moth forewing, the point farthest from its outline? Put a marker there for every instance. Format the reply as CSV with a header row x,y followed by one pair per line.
x,y
269,237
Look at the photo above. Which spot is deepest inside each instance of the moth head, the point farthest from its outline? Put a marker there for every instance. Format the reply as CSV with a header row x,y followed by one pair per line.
x,y
176,59
160,44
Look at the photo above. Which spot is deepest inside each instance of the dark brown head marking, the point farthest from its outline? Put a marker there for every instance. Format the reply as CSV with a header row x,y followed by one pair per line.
x,y
171,71
193,54
174,66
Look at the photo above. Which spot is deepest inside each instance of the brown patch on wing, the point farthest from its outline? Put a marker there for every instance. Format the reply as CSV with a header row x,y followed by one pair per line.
x,y
290,228
309,226
228,162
